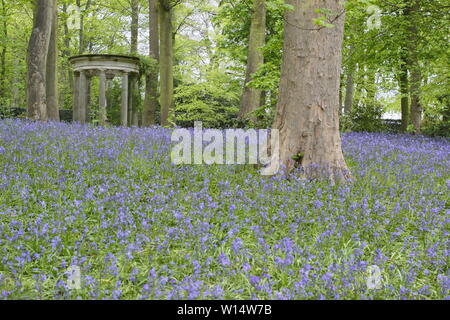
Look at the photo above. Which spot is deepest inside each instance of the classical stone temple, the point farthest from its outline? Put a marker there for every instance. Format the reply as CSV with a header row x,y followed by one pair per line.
x,y
106,67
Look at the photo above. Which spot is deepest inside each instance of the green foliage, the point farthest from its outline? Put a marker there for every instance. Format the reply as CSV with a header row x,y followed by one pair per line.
x,y
214,102
234,18
436,128
364,118
211,42
437,119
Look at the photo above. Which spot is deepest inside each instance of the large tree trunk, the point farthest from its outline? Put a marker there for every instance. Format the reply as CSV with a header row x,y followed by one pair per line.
x,y
151,87
51,77
251,97
308,108
37,60
166,63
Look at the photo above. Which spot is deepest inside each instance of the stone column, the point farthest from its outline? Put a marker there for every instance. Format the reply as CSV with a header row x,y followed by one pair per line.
x,y
124,108
76,97
102,98
88,98
135,100
109,87
82,100
130,99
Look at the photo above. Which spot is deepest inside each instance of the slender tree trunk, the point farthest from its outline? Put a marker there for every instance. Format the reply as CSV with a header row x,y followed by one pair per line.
x,y
66,72
3,52
37,60
350,83
166,63
134,26
80,31
151,86
82,40
15,98
263,97
51,77
308,109
416,76
404,91
371,87
251,97
349,91
416,107
445,100
134,119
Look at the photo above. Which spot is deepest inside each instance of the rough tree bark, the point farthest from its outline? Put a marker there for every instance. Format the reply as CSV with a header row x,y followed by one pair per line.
x,y
166,63
37,60
151,88
307,115
51,77
251,97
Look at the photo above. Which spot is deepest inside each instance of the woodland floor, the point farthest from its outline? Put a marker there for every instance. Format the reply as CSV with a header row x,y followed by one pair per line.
x,y
109,201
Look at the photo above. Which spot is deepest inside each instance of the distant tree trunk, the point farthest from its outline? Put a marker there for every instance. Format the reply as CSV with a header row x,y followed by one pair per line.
x,y
81,30
445,101
51,77
134,26
15,98
134,119
404,91
251,97
37,60
349,91
166,63
350,83
416,76
66,72
371,86
263,97
151,86
82,40
416,107
3,52
308,108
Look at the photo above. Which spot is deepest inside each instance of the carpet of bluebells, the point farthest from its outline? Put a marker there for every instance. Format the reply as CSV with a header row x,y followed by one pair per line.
x,y
110,201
